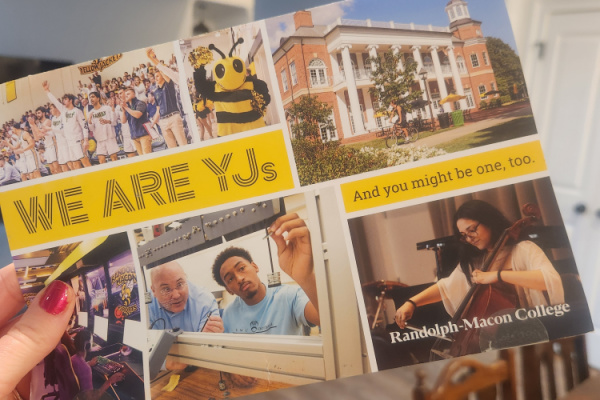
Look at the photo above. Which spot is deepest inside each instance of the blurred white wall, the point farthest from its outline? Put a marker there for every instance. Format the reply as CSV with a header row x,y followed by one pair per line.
x,y
78,31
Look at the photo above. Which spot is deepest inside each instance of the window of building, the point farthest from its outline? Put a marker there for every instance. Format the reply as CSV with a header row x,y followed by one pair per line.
x,y
326,133
291,123
460,62
368,65
469,99
474,61
492,86
284,80
485,58
380,121
293,73
451,13
317,71
459,11
435,102
482,91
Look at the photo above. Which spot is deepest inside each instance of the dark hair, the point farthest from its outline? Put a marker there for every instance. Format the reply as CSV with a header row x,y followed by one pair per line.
x,y
487,215
42,109
81,338
16,125
70,96
94,93
224,256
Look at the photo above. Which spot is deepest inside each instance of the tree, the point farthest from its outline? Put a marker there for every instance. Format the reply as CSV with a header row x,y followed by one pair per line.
x,y
391,83
310,115
507,67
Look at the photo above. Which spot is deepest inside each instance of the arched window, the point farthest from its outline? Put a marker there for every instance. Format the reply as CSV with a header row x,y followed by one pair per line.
x,y
368,64
317,71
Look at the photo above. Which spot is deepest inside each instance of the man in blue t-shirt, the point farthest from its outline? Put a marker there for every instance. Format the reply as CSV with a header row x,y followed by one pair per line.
x,y
282,310
177,303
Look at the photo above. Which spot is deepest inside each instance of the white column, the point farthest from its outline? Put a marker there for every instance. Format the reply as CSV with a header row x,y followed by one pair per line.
x,y
396,50
439,76
335,67
372,49
343,112
360,66
417,56
371,124
352,91
456,76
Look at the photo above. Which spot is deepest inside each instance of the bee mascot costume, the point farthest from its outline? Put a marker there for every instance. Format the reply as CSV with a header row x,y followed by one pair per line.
x,y
240,100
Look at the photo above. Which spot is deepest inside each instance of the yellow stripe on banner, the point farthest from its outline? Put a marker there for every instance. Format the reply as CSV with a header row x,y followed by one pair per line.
x,y
443,177
80,251
148,189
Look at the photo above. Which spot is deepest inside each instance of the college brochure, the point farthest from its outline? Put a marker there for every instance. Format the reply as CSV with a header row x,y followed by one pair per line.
x,y
236,211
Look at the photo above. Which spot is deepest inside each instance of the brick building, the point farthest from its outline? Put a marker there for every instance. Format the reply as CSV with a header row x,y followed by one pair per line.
x,y
332,63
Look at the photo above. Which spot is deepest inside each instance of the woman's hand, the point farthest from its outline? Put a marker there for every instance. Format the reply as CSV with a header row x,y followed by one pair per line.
x,y
484,278
26,340
404,313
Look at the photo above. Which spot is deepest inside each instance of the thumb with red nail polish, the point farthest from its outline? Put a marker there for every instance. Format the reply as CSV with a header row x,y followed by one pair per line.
x,y
26,340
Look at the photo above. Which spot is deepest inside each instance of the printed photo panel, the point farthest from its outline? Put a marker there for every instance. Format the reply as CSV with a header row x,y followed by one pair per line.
x,y
364,90
105,332
468,274
230,293
229,81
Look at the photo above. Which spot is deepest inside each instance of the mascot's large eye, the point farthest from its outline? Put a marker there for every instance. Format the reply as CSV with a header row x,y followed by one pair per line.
x,y
238,66
220,71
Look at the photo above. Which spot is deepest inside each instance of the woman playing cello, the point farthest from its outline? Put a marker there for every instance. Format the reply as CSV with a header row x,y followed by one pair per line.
x,y
521,271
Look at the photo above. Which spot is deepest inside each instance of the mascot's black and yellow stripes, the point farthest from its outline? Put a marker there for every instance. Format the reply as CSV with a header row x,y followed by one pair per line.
x,y
239,100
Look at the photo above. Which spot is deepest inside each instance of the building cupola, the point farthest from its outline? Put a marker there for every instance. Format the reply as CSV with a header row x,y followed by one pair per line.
x,y
457,10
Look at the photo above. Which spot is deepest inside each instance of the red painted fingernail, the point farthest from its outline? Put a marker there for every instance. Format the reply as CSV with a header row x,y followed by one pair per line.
x,y
55,298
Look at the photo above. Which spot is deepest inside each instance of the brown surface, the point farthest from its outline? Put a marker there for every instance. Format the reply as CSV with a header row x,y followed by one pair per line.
x,y
588,390
204,383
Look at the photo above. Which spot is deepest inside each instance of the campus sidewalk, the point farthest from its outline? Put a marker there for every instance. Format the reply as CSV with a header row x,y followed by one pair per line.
x,y
481,120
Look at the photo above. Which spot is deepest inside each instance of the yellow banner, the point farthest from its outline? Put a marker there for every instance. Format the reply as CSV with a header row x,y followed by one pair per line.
x,y
11,91
442,177
149,189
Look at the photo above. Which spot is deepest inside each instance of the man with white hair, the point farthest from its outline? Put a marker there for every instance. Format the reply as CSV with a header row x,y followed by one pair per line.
x,y
177,303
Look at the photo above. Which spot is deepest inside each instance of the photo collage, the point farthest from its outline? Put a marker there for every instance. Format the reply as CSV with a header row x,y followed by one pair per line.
x,y
316,196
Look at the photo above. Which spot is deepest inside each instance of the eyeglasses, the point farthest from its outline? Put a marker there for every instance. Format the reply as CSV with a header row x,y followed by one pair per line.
x,y
168,292
471,232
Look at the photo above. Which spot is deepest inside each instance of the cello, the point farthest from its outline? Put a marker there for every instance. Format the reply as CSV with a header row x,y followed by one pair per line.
x,y
485,300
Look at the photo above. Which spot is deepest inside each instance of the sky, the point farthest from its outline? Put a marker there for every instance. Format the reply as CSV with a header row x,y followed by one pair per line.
x,y
492,14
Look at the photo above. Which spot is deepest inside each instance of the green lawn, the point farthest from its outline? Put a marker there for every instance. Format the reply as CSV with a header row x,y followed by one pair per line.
x,y
519,127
